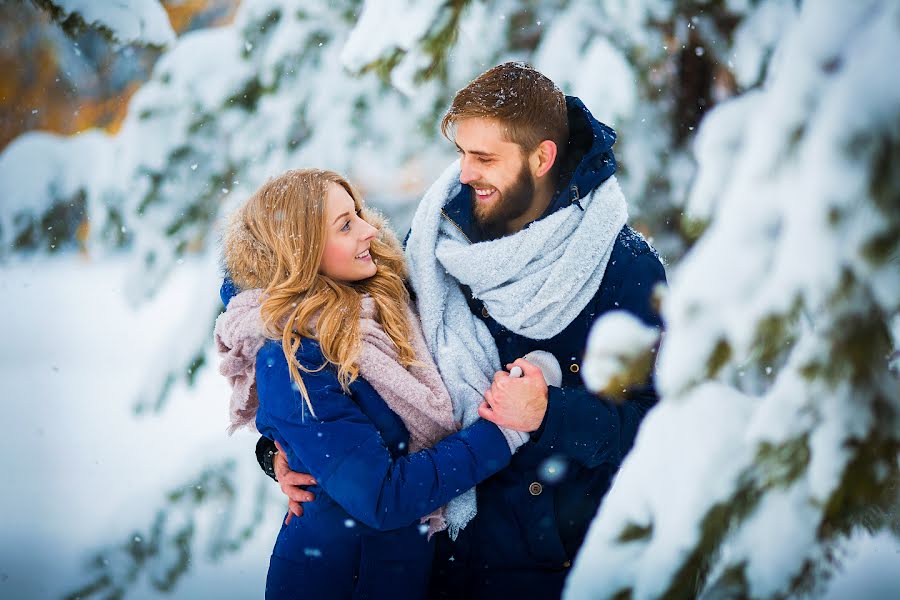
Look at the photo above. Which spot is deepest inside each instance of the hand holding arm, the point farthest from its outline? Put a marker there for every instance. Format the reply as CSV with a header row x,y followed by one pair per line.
x,y
290,482
346,454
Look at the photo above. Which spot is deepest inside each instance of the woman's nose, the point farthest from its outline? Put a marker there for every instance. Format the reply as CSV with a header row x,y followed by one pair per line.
x,y
370,231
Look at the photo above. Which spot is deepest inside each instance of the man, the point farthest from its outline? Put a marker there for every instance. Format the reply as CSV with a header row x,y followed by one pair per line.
x,y
520,248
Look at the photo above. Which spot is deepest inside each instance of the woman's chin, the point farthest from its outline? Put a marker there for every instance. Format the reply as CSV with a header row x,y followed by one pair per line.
x,y
367,273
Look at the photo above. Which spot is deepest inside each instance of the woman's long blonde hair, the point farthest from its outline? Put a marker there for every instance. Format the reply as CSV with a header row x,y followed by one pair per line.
x,y
275,242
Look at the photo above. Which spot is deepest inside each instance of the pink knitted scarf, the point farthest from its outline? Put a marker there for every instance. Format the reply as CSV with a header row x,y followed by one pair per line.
x,y
239,334
415,393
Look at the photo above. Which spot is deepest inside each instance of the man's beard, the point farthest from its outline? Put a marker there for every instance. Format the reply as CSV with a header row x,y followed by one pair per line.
x,y
493,221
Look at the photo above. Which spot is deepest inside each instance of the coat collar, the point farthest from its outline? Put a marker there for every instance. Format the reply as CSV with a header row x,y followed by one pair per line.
x,y
587,162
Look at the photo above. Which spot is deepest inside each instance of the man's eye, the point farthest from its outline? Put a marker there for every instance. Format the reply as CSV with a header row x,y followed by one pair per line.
x,y
485,161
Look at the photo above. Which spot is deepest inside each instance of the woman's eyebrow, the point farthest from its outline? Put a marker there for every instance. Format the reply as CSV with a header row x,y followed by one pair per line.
x,y
340,216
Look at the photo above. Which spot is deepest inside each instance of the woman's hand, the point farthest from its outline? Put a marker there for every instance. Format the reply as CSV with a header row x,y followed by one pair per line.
x,y
290,482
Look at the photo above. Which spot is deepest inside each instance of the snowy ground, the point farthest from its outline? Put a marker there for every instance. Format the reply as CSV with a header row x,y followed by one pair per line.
x,y
84,473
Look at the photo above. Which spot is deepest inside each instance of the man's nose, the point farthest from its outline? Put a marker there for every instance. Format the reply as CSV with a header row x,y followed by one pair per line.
x,y
467,173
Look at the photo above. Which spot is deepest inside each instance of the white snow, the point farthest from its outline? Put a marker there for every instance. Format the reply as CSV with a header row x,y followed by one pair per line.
x,y
756,37
616,340
385,26
57,169
87,472
142,21
687,441
784,180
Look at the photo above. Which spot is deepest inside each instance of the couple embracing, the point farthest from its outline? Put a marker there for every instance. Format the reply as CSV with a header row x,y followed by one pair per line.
x,y
421,406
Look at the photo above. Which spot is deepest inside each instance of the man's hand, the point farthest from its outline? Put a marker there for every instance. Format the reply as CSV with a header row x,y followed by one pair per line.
x,y
516,402
290,482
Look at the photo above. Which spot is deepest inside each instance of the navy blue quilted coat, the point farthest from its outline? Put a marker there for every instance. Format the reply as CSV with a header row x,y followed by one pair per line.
x,y
533,515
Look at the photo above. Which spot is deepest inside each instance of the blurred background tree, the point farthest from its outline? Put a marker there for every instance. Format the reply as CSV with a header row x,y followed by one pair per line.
x,y
175,123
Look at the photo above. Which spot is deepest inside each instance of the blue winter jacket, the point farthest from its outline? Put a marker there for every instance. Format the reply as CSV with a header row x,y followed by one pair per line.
x,y
361,537
533,515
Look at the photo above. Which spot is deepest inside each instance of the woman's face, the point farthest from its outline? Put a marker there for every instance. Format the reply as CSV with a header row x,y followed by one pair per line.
x,y
347,239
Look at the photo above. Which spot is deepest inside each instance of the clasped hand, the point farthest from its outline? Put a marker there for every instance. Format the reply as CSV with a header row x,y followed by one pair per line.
x,y
516,402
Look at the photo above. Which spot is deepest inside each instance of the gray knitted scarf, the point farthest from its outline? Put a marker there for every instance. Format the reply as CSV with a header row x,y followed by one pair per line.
x,y
534,282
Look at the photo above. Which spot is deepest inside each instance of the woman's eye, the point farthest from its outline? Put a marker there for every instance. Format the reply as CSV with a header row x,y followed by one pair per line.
x,y
346,226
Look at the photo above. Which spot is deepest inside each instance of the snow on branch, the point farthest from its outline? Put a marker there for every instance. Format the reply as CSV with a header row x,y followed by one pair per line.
x,y
778,428
620,353
143,22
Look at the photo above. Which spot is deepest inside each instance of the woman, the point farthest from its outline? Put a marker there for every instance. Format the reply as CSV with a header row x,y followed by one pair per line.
x,y
323,335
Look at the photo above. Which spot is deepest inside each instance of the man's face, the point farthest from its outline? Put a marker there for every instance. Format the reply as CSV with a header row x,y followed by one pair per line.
x,y
498,173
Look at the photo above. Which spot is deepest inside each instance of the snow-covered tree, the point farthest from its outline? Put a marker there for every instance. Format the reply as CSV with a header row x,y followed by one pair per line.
x,y
207,517
778,432
225,109
778,404
142,22
341,85
288,81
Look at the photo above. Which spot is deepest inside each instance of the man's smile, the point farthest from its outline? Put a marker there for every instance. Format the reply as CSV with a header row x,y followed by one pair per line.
x,y
485,194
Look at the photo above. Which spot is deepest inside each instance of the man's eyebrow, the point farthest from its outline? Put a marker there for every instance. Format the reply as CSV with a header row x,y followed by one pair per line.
x,y
475,152
340,216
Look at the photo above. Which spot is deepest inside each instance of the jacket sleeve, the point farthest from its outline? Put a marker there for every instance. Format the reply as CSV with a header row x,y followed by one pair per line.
x,y
590,429
345,452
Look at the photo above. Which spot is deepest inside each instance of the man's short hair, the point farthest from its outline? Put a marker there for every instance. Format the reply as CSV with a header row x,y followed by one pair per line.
x,y
528,106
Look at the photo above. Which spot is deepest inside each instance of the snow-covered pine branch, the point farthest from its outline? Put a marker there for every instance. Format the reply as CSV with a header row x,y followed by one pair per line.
x,y
620,353
778,431
272,90
227,108
142,22
206,518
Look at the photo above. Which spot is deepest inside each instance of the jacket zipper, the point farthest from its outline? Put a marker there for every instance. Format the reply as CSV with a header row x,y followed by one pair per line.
x,y
452,222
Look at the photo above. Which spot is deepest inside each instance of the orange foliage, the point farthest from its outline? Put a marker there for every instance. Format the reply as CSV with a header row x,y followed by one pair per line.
x,y
34,94
181,15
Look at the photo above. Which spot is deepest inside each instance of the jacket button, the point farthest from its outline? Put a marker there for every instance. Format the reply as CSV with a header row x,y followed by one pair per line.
x,y
535,489
567,564
574,367
484,312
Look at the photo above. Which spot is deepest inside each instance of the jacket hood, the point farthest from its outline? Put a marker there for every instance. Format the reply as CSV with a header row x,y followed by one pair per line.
x,y
588,160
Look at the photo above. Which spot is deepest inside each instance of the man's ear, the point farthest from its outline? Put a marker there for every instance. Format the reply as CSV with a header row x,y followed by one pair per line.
x,y
543,158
